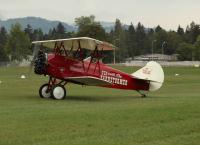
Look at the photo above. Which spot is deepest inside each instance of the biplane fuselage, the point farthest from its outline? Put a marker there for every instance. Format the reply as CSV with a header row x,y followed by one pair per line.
x,y
67,64
91,73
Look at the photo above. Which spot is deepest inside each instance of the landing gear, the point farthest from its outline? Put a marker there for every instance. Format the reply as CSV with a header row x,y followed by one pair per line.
x,y
53,89
58,92
143,94
44,91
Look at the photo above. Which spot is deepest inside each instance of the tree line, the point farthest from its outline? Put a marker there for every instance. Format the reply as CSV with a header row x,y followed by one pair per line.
x,y
130,40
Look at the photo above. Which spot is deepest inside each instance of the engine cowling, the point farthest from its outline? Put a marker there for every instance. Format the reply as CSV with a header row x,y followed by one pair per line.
x,y
40,63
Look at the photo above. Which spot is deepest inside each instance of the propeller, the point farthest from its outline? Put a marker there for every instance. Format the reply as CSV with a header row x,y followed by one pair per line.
x,y
40,62
34,56
38,58
35,51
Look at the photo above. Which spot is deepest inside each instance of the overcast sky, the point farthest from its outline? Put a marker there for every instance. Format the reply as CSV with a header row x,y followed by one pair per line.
x,y
167,13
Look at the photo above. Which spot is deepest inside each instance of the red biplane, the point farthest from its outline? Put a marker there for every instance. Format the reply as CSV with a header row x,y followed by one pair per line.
x,y
66,62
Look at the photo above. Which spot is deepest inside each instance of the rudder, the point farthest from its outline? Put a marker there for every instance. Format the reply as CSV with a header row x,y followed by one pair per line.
x,y
152,72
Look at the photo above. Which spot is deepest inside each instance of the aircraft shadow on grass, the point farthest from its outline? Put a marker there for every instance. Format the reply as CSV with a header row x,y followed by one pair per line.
x,y
94,98
114,98
100,98
90,98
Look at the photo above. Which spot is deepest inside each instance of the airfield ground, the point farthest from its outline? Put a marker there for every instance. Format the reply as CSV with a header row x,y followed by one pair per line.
x,y
100,116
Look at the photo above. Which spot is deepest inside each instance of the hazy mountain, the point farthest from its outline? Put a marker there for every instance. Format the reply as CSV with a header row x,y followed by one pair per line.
x,y
36,23
108,26
45,25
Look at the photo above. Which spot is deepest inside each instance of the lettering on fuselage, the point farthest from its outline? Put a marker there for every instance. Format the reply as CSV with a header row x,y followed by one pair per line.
x,y
113,78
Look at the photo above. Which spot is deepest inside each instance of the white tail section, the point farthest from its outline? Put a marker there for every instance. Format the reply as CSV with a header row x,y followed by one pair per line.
x,y
152,72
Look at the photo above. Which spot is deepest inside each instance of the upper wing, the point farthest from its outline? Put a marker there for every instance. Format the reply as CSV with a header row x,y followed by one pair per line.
x,y
83,42
88,80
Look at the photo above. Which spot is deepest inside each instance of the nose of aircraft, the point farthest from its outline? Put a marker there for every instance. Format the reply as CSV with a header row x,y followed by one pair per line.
x,y
40,63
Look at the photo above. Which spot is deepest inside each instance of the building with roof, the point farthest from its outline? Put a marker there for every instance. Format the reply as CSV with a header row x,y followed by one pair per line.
x,y
158,57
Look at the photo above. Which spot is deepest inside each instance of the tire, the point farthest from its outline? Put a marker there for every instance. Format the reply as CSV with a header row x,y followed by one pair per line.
x,y
43,93
58,92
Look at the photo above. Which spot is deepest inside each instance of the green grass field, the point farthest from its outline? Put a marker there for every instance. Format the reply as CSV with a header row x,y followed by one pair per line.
x,y
100,116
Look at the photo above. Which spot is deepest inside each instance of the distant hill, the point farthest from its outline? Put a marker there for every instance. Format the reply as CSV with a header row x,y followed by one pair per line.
x,y
45,25
108,26
36,23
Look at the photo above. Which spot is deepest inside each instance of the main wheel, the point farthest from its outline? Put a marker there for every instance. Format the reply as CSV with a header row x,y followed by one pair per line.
x,y
58,92
44,93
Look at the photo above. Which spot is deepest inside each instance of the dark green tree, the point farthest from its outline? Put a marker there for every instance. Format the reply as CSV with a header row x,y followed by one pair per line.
x,y
186,51
3,39
158,29
18,44
29,31
150,37
173,42
37,34
119,40
180,31
83,21
52,33
94,31
192,32
131,41
161,37
87,26
140,39
60,31
197,49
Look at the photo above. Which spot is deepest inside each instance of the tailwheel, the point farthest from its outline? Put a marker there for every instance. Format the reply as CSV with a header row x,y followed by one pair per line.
x,y
58,92
144,96
44,91
142,93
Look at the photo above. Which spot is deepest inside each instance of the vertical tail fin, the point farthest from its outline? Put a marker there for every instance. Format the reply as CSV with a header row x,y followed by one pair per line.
x,y
152,72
